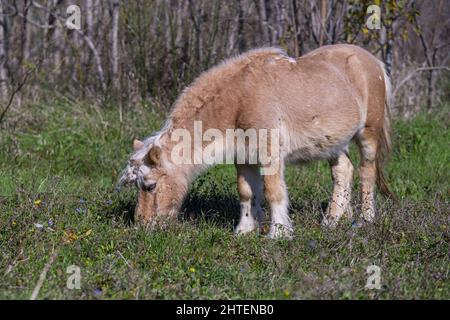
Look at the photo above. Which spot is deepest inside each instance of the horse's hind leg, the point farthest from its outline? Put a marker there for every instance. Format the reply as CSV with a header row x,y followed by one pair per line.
x,y
250,194
342,174
368,143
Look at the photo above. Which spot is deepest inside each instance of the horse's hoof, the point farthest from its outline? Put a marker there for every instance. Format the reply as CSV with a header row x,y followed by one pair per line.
x,y
245,229
280,232
329,222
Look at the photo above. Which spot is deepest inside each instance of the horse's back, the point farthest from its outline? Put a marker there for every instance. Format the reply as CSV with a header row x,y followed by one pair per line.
x,y
327,97
363,71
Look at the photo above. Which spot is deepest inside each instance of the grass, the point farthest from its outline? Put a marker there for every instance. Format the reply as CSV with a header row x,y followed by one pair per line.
x,y
58,166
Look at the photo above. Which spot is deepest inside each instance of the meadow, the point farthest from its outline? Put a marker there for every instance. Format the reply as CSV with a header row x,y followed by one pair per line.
x,y
58,207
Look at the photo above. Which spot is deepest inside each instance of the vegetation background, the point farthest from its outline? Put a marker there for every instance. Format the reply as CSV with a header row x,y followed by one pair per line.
x,y
71,101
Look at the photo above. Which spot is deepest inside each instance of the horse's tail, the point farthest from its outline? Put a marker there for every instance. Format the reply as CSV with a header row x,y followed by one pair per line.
x,y
384,141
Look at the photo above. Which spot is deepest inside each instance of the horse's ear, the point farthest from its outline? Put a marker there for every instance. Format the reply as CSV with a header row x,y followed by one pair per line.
x,y
137,144
154,155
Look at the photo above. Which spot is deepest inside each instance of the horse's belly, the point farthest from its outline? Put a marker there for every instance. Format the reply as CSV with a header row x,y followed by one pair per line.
x,y
318,144
322,129
312,152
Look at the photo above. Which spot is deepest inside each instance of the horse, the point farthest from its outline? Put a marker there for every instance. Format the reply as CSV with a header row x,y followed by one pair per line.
x,y
318,103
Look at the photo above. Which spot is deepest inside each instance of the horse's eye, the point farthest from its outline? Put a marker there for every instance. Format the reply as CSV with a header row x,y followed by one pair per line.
x,y
150,187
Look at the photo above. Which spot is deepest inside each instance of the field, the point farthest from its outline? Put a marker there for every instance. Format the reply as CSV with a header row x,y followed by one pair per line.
x,y
59,207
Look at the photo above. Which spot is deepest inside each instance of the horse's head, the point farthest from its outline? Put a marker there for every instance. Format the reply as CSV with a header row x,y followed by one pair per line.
x,y
161,185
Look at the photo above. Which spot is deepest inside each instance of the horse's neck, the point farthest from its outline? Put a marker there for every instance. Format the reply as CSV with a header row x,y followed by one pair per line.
x,y
188,172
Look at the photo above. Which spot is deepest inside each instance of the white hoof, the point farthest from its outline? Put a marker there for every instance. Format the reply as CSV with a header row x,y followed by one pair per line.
x,y
243,228
369,217
279,231
330,222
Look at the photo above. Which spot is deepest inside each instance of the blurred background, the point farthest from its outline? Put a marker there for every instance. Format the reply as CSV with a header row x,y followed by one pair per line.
x,y
145,51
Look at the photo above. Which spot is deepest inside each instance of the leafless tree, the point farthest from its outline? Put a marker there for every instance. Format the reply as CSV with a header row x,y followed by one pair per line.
x,y
3,53
151,49
115,44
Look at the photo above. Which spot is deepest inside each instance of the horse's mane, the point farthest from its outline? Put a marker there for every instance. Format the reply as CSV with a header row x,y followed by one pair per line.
x,y
128,175
149,142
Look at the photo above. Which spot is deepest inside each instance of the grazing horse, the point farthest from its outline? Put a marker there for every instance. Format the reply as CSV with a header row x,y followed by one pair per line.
x,y
318,103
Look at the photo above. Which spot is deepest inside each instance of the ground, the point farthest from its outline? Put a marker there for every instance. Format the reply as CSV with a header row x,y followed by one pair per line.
x,y
58,207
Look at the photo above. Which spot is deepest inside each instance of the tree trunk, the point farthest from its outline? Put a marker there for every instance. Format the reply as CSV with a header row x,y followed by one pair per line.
x,y
56,39
323,21
87,56
279,9
3,54
236,36
196,16
240,27
115,46
89,18
263,22
297,38
181,17
389,47
25,33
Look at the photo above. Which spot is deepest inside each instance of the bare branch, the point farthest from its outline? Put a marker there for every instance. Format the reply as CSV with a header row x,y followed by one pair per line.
x,y
414,72
19,87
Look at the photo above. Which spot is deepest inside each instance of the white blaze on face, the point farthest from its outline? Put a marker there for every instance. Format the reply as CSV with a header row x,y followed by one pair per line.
x,y
134,174
135,170
127,177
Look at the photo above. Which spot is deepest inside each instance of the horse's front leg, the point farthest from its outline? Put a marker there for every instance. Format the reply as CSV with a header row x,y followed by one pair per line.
x,y
250,194
342,174
275,192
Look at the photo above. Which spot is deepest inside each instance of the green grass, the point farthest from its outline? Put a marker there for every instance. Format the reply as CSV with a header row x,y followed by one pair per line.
x,y
58,165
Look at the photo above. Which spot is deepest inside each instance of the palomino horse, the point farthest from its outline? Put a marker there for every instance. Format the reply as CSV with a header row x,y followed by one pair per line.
x,y
318,103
